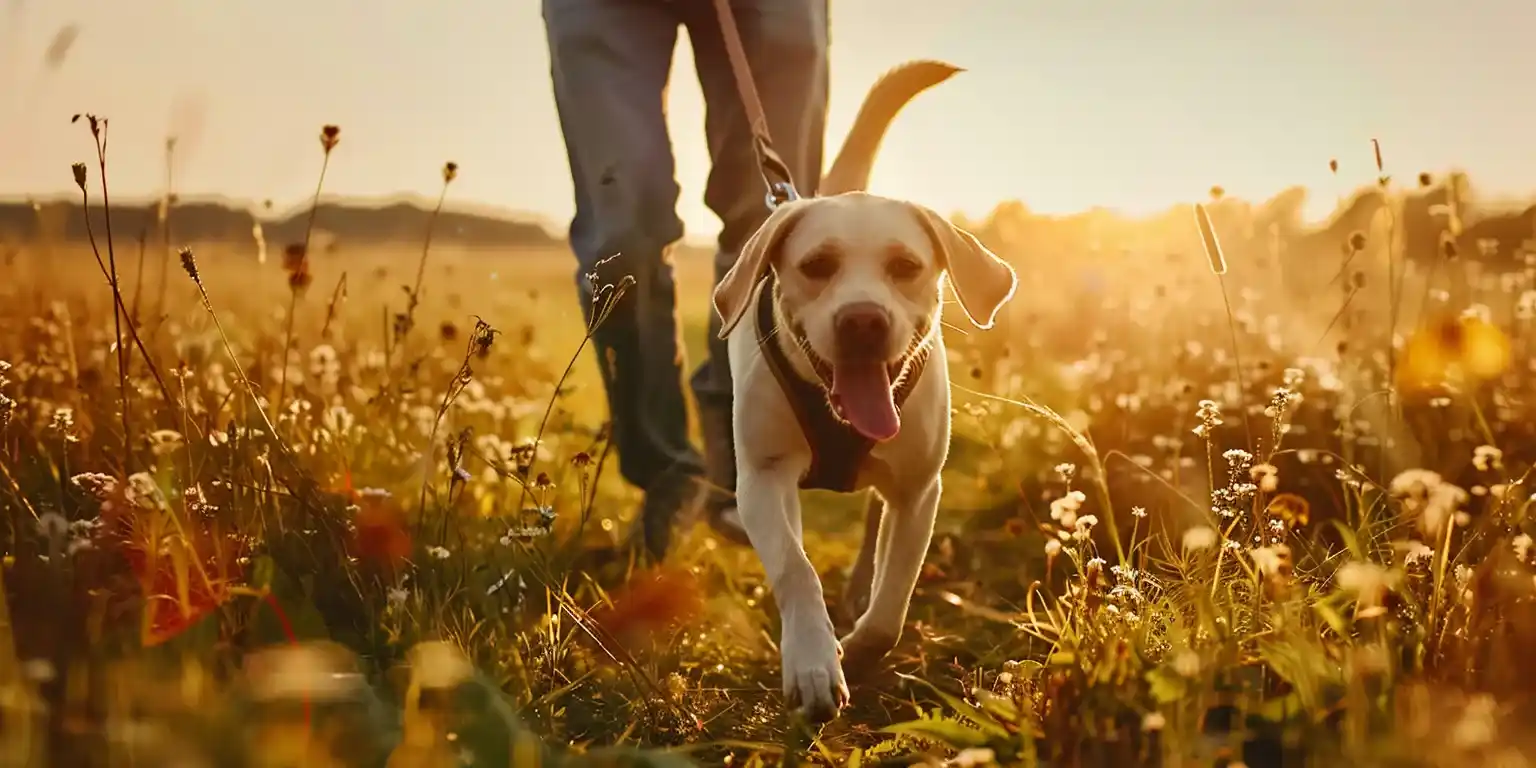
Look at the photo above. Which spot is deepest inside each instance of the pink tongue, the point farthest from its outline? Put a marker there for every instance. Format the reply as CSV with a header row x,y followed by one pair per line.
x,y
861,393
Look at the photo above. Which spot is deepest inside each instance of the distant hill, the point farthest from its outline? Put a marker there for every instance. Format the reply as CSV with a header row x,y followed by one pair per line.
x,y
346,222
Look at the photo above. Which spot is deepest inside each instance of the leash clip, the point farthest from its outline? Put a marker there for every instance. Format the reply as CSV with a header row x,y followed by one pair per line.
x,y
779,193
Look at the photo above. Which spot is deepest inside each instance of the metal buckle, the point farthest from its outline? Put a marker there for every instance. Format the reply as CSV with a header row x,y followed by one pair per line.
x,y
779,193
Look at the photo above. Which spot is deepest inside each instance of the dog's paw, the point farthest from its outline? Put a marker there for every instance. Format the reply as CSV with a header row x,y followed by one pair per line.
x,y
813,670
863,650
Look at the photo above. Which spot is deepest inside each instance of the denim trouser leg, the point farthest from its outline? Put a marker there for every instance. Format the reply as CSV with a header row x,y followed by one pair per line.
x,y
786,46
609,62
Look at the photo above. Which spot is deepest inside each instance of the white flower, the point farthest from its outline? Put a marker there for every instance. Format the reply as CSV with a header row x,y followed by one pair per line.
x,y
1187,663
1153,721
1487,457
1522,546
1428,497
1052,548
438,553
1369,582
1270,560
1266,476
1199,537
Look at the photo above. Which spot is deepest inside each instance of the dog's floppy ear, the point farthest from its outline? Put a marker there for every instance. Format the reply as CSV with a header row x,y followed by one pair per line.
x,y
982,281
734,292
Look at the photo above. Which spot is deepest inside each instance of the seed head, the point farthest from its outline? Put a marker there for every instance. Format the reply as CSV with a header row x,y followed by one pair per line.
x,y
450,172
1213,253
330,136
1333,166
1357,241
190,265
1425,179
1217,193
79,171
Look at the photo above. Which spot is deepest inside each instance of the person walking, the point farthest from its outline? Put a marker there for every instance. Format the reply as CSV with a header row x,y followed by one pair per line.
x,y
610,62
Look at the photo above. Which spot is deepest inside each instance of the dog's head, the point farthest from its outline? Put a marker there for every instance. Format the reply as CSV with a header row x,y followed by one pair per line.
x,y
861,278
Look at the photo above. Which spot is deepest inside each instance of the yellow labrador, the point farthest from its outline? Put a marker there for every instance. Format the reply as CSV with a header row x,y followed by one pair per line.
x,y
832,316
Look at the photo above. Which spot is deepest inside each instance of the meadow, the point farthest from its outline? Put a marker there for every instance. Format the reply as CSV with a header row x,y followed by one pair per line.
x,y
1264,503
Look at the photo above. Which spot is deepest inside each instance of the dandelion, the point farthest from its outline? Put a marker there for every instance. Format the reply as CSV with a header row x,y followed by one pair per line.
x,y
1426,496
1417,553
1199,537
1266,476
1153,722
1369,583
1271,560
1052,548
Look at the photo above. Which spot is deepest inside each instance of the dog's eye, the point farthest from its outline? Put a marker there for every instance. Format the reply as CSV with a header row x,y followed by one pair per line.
x,y
819,267
904,268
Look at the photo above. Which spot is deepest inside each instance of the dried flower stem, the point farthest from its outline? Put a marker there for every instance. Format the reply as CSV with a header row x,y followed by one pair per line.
x,y
293,294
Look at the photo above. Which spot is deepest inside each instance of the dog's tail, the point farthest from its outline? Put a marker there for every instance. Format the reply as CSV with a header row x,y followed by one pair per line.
x,y
850,171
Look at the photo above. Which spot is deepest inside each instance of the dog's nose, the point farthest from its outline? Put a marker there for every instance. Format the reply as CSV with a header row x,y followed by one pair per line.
x,y
863,329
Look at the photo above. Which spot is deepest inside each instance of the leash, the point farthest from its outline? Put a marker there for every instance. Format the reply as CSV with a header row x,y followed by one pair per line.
x,y
776,176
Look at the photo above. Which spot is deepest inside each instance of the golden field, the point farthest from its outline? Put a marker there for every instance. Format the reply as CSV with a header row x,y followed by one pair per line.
x,y
1200,509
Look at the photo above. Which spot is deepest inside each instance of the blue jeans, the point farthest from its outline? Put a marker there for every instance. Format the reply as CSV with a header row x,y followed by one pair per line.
x,y
609,60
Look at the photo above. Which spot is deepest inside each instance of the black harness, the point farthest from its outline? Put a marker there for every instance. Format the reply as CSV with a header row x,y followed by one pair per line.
x,y
838,451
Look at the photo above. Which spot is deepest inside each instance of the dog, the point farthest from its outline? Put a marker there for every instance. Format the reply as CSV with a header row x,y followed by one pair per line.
x,y
831,316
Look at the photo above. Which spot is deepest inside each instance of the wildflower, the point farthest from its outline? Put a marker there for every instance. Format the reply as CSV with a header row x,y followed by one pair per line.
x,y
1522,546
450,172
397,595
1064,509
1199,537
1052,548
1187,663
1266,476
1153,722
1416,552
1066,470
164,442
1084,528
1272,560
79,171
1209,414
438,553
1487,458
1428,497
1369,583
1138,511
330,136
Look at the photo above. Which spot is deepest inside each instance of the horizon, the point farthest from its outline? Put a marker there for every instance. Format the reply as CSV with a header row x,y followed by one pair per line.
x,y
1132,125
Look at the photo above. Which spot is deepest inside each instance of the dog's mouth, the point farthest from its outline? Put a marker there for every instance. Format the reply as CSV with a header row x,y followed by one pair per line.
x,y
864,392
861,394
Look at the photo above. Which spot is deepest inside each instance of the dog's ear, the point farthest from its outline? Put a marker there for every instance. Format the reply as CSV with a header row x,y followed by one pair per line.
x,y
734,293
982,281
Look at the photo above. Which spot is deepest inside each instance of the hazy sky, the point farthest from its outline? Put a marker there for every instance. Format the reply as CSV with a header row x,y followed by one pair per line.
x,y
1066,103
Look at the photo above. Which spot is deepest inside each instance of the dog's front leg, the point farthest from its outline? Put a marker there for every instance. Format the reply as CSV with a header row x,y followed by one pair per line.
x,y
769,501
906,529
